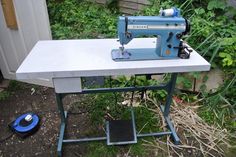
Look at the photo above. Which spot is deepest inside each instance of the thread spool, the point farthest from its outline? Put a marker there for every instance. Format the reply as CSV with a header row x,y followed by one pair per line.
x,y
169,12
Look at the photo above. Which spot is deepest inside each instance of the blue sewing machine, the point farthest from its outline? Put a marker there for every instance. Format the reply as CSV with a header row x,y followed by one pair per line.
x,y
168,27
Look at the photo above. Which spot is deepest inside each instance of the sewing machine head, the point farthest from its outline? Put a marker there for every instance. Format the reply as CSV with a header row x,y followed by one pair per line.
x,y
169,27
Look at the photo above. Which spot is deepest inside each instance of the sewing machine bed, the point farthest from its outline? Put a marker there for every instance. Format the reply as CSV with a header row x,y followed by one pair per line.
x,y
92,57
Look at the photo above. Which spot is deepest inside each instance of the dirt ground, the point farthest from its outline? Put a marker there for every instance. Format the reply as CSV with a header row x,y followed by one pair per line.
x,y
41,100
44,141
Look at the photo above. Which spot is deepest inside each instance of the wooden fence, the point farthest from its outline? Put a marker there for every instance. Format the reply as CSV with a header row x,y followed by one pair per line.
x,y
129,6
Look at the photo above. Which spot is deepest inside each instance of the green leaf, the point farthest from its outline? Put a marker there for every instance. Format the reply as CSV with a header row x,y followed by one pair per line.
x,y
199,11
216,4
228,41
222,54
205,78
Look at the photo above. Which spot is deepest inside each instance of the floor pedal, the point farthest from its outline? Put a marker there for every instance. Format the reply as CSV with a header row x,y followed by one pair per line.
x,y
120,132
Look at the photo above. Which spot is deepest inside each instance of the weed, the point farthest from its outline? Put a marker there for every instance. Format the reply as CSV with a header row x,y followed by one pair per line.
x,y
14,85
4,95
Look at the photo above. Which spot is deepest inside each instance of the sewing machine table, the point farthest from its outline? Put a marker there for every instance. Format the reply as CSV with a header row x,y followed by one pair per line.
x,y
65,62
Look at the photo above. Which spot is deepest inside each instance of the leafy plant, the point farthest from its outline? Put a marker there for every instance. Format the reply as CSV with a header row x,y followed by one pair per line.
x,y
72,19
216,4
228,54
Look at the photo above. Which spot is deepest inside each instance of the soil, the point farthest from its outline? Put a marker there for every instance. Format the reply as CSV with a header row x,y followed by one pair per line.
x,y
40,100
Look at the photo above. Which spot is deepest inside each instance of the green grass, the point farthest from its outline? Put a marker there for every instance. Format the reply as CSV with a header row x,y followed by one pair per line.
x,y
100,104
138,149
15,85
105,103
4,95
12,87
100,149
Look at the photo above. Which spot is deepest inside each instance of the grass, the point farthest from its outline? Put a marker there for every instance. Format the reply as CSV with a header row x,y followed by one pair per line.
x,y
4,95
13,86
100,149
101,105
138,149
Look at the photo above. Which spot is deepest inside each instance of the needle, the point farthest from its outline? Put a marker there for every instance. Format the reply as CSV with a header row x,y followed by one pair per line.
x,y
122,48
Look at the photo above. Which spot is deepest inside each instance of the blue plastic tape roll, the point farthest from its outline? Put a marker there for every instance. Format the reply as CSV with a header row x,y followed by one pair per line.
x,y
26,128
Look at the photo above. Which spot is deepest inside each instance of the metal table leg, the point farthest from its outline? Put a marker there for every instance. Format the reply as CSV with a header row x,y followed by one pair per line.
x,y
63,116
166,109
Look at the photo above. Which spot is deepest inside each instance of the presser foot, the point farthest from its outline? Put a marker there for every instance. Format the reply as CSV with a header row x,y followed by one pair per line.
x,y
120,54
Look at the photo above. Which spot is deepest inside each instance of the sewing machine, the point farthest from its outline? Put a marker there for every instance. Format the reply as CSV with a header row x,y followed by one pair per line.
x,y
169,27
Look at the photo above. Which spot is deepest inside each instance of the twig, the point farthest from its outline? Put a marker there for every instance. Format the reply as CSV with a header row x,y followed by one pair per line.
x,y
207,137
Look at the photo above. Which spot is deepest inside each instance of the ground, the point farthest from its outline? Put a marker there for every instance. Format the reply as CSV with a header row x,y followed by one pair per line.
x,y
21,98
43,142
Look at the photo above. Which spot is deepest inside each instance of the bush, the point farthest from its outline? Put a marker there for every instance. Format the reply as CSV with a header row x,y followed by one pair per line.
x,y
73,19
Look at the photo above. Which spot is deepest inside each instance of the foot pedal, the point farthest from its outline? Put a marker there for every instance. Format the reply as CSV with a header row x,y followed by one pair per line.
x,y
120,132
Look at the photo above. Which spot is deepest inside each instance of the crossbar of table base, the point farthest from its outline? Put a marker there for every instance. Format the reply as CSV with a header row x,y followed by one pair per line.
x,y
61,139
157,134
120,89
90,139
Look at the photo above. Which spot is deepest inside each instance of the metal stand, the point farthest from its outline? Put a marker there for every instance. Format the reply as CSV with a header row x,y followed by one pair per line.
x,y
169,87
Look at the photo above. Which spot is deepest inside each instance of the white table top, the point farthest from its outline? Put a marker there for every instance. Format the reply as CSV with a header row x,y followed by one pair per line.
x,y
92,57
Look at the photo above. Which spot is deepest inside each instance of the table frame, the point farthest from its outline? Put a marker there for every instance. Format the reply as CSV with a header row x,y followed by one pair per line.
x,y
169,87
